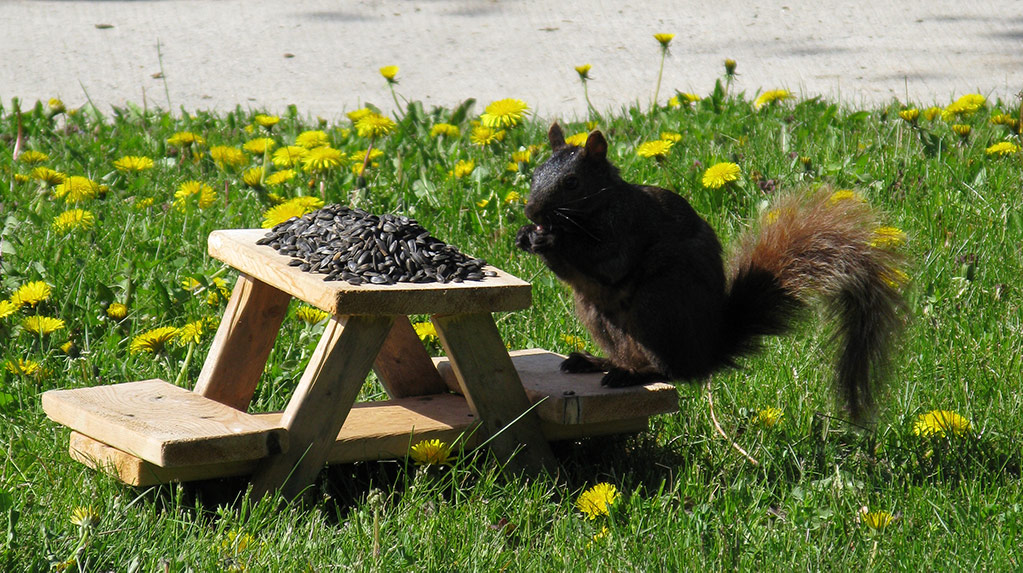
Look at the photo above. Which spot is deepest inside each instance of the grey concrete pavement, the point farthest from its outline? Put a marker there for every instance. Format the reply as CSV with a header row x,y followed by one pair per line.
x,y
324,55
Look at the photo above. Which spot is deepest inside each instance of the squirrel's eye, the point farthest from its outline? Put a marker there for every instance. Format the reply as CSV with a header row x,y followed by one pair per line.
x,y
571,182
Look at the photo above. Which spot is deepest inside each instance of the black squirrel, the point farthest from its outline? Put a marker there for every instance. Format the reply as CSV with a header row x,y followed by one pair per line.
x,y
651,285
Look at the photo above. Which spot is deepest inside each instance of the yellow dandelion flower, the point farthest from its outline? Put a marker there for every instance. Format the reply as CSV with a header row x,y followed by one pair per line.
x,y
41,324
482,203
940,423
144,203
431,453
153,341
656,149
185,139
117,311
845,195
259,145
583,71
664,39
311,314
425,330
674,101
374,125
895,278
7,308
522,156
85,516
32,157
227,156
253,177
265,121
771,96
236,543
932,112
718,175
358,114
512,197
191,332
133,164
573,341
504,113
290,155
322,159
671,136
888,238
291,208
577,139
511,167
76,188
876,520
280,177
768,417
688,97
910,115
445,129
190,284
312,139
962,130
389,73
72,220
965,105
48,176
597,500
31,294
56,106
730,67
22,367
1002,148
205,195
483,135
463,168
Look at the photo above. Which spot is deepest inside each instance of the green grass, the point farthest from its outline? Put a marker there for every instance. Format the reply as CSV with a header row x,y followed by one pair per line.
x,y
688,501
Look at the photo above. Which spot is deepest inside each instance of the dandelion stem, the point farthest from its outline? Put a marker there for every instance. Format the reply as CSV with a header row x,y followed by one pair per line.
x,y
717,426
184,365
660,72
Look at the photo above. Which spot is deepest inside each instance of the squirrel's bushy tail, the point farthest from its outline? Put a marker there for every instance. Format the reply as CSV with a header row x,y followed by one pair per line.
x,y
829,247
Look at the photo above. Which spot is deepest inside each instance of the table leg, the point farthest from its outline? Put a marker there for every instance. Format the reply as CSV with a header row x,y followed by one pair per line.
x,y
493,388
403,365
321,402
243,343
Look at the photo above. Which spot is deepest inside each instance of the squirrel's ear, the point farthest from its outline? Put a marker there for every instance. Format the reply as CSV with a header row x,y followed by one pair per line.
x,y
556,137
596,145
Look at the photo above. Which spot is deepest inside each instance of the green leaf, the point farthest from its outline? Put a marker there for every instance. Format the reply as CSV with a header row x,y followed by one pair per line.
x,y
462,111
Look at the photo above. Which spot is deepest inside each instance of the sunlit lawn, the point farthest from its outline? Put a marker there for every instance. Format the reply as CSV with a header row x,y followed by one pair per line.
x,y
105,279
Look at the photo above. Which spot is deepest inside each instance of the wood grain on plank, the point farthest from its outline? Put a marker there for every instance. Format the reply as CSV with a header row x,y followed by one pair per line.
x,y
243,343
563,398
403,365
238,248
323,398
494,391
372,431
163,424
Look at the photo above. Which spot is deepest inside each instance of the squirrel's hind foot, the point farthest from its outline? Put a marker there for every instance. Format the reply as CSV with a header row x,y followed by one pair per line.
x,y
583,362
621,377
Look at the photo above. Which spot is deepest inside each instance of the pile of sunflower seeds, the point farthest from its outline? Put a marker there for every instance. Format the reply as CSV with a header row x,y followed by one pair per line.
x,y
358,247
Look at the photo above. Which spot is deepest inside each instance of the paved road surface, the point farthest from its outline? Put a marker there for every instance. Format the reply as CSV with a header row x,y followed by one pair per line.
x,y
324,55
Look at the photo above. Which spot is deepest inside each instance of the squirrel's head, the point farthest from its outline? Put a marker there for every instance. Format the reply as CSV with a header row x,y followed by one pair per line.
x,y
573,179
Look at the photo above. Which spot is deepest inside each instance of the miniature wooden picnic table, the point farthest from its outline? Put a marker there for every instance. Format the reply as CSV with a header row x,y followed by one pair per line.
x,y
152,431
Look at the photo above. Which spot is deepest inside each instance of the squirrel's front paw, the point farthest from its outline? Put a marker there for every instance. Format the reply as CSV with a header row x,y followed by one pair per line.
x,y
534,239
523,239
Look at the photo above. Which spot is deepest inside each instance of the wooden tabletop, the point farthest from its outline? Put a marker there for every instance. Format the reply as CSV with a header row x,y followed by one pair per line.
x,y
238,248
